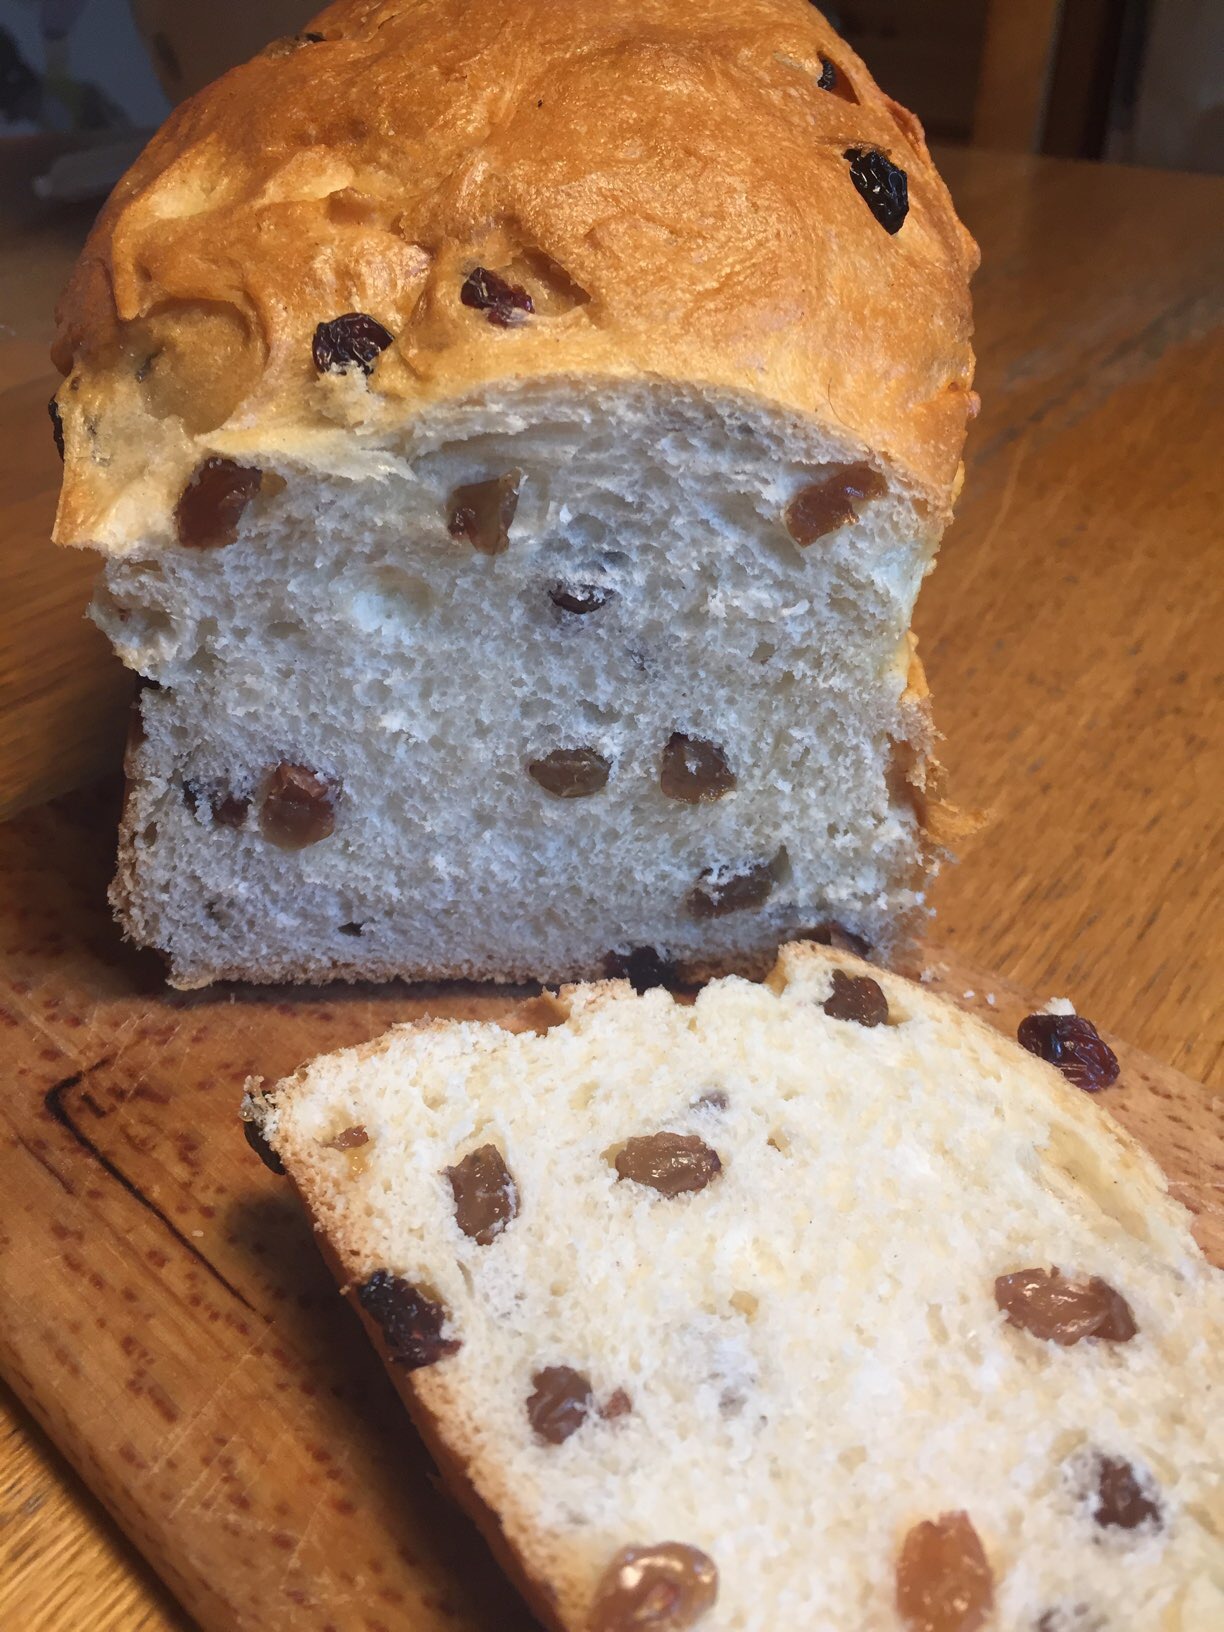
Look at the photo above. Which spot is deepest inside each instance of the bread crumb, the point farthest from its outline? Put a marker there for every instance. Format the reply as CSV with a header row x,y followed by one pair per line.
x,y
1059,1005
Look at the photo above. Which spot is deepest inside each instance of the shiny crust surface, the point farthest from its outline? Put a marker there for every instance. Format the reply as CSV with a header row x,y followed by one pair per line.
x,y
666,178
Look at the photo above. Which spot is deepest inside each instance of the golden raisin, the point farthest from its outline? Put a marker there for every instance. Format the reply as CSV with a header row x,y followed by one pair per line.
x,y
486,1197
671,1163
664,1588
299,807
481,512
571,773
944,1582
349,1138
824,506
560,1404
694,770
211,505
1045,1303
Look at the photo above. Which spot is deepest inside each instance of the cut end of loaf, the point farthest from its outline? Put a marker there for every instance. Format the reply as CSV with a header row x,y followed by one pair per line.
x,y
407,725
739,1293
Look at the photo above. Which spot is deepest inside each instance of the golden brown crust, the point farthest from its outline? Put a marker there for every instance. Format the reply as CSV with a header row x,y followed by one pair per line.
x,y
667,175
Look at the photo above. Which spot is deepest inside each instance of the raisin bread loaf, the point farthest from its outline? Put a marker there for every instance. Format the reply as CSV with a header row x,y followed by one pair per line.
x,y
517,431
814,1305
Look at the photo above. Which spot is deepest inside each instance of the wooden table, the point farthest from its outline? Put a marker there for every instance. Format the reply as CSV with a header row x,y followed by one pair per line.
x,y
1072,638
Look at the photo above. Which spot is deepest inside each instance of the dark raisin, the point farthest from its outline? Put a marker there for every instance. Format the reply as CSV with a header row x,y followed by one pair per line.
x,y
254,1136
349,1138
501,302
617,1404
822,507
351,929
1045,1303
226,808
211,505
664,1588
836,935
57,426
857,998
299,807
560,1404
883,186
832,78
694,770
410,1320
1072,1044
944,1580
579,598
486,1197
482,512
720,890
712,1100
671,1163
353,340
571,773
642,967
1120,1501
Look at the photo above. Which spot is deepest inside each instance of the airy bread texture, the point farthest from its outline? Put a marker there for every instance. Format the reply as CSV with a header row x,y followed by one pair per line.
x,y
732,307
810,1346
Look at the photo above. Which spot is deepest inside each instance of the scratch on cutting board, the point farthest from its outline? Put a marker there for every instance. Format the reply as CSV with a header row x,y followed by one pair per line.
x,y
53,1101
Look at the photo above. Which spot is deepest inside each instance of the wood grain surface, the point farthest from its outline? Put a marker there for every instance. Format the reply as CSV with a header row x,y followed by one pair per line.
x,y
1072,637
63,693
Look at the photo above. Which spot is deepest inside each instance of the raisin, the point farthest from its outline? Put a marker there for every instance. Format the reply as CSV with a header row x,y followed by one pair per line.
x,y
579,598
720,890
664,1588
560,1404
1043,1302
571,773
254,1136
299,807
501,302
857,998
883,186
211,505
482,512
671,1163
348,1138
486,1197
642,967
354,340
617,1404
712,1100
1120,1500
410,1320
944,1582
834,79
57,426
1072,1044
836,935
694,770
822,507
227,809
351,928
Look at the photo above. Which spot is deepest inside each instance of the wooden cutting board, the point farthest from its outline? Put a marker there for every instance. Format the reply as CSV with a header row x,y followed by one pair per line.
x,y
164,1312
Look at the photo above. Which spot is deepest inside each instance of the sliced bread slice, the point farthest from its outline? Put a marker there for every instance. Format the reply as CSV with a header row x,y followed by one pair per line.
x,y
810,1306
